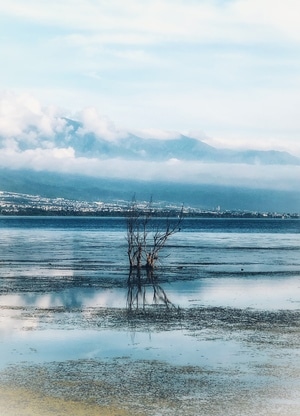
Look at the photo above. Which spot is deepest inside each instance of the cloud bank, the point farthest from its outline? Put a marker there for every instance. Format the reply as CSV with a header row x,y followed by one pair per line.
x,y
36,137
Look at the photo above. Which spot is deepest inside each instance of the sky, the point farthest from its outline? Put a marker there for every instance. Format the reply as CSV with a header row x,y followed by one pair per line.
x,y
224,71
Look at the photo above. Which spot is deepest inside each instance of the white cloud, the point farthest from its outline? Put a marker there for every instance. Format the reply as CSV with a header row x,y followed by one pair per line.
x,y
237,142
64,160
56,159
166,20
23,120
23,117
157,134
276,16
102,127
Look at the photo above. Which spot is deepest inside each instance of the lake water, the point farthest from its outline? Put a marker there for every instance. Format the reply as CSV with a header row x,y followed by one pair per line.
x,y
76,262
57,274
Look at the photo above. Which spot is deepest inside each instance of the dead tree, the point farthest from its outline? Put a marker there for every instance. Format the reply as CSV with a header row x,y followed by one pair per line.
x,y
144,242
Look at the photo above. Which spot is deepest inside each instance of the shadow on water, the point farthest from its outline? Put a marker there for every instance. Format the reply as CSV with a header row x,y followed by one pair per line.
x,y
143,289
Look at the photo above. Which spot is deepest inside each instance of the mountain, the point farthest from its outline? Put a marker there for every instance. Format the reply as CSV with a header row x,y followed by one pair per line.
x,y
181,147
94,161
84,188
125,145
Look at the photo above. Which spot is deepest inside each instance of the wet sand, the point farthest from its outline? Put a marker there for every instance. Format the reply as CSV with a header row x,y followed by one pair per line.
x,y
263,382
25,402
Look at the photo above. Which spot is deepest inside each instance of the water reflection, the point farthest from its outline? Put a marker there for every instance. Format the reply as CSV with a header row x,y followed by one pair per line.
x,y
51,345
141,289
144,289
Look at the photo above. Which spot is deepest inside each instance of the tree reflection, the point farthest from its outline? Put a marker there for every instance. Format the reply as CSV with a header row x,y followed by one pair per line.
x,y
144,290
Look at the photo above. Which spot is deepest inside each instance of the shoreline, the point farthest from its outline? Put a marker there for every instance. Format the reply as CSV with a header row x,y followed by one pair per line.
x,y
238,215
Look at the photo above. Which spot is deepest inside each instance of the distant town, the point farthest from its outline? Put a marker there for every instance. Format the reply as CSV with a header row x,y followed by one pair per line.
x,y
28,205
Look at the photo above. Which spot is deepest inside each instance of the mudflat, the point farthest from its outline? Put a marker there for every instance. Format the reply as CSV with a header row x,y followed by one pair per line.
x,y
253,368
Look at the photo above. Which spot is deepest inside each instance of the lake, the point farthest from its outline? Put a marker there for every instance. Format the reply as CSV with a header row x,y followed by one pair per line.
x,y
222,306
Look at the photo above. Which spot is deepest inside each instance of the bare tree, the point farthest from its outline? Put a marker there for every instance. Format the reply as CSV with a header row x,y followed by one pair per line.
x,y
144,242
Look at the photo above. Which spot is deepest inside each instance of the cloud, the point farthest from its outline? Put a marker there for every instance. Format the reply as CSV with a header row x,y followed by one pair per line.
x,y
64,160
23,118
168,19
100,126
25,122
274,17
37,137
157,134
56,159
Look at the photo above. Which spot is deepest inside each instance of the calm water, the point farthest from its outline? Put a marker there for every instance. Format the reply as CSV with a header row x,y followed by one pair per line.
x,y
75,262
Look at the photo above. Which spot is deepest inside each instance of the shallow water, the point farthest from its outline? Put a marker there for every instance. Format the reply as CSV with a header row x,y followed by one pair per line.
x,y
82,262
224,299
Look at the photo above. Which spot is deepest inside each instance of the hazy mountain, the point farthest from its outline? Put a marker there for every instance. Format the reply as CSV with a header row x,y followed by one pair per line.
x,y
92,160
78,187
180,147
126,145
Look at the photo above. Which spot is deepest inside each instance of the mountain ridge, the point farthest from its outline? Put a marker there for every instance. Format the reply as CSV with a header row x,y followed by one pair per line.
x,y
182,148
130,146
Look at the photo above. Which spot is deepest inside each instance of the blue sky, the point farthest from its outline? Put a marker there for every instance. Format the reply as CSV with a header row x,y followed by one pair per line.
x,y
227,70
